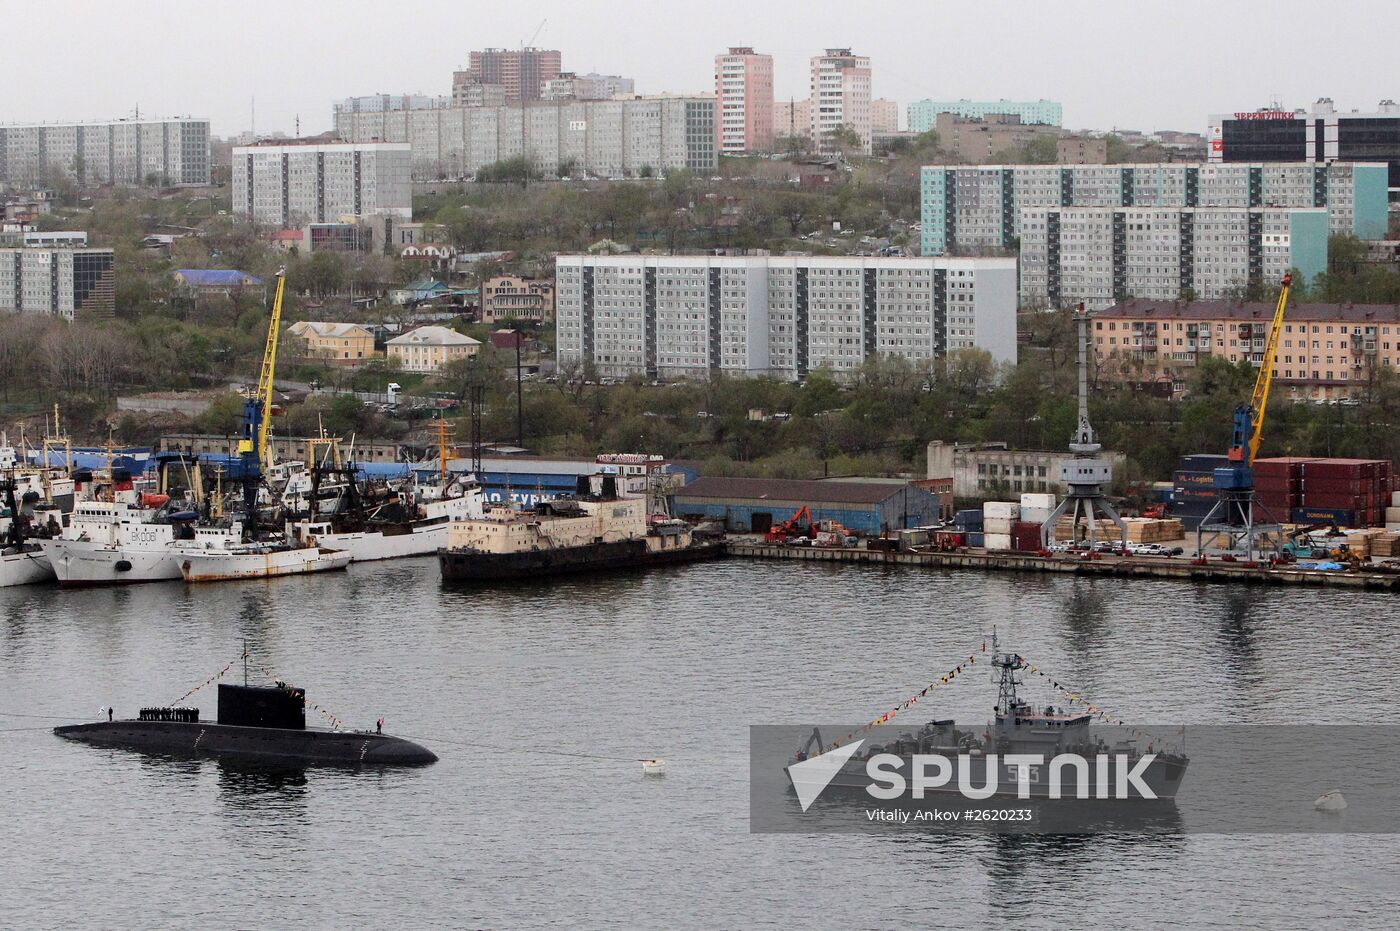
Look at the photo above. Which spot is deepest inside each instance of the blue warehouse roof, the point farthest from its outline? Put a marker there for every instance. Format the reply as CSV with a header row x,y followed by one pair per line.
x,y
215,277
788,490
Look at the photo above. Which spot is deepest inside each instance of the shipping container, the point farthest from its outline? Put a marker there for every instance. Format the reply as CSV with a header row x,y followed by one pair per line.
x,y
1007,510
971,519
975,539
1000,542
1190,477
949,538
1203,462
1036,515
1392,514
1342,517
1031,500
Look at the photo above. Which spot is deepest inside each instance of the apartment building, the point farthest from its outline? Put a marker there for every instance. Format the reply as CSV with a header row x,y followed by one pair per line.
x,y
923,114
744,101
170,153
1100,254
792,118
603,138
57,280
467,91
522,72
380,103
514,297
840,96
884,116
570,86
972,208
292,185
429,348
987,139
693,316
1321,135
343,343
1325,352
1081,150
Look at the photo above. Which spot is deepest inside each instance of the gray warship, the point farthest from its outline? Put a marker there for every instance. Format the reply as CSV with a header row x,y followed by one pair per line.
x,y
255,723
994,756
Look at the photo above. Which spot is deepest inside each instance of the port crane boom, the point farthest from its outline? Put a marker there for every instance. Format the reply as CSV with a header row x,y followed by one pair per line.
x,y
257,407
1249,420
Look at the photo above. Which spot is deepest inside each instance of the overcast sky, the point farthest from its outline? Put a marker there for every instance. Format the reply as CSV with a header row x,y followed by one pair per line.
x,y
1136,64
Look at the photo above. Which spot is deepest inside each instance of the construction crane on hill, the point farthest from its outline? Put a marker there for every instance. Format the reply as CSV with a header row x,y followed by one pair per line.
x,y
1233,512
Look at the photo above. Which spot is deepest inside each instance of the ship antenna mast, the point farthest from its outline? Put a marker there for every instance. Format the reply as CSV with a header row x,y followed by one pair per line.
x,y
1008,663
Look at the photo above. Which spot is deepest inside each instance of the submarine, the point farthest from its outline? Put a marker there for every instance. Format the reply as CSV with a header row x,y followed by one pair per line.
x,y
255,723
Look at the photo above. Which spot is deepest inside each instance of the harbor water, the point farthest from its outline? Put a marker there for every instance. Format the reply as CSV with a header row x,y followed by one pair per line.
x,y
540,698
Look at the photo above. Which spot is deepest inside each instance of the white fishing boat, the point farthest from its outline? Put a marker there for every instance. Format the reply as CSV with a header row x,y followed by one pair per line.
x,y
260,561
23,565
394,530
119,543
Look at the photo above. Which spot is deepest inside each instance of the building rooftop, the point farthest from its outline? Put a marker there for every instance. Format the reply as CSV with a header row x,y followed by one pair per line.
x,y
323,328
215,277
780,489
1250,310
433,336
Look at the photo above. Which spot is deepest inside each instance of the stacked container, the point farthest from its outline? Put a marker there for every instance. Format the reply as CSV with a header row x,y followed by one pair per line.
x,y
1278,484
998,518
1345,492
1193,487
1392,513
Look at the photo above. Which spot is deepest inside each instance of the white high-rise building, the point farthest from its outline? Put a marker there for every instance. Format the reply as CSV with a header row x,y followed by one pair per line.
x,y
292,185
169,153
57,281
1102,254
603,138
841,97
697,315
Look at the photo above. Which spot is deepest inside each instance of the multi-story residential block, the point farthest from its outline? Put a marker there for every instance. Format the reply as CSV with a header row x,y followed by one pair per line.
x,y
429,348
973,208
1081,150
345,343
840,96
989,139
792,119
1100,254
570,86
514,297
167,152
744,100
697,315
290,185
1319,135
467,91
1325,352
57,280
604,138
522,72
924,113
379,103
884,116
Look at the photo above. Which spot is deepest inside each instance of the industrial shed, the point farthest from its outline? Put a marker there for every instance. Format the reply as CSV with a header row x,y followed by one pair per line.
x,y
752,505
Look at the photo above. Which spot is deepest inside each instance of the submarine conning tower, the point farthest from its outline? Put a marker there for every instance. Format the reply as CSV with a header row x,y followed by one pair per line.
x,y
277,706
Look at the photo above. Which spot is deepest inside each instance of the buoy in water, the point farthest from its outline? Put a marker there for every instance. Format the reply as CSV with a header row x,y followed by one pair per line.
x,y
1331,801
655,767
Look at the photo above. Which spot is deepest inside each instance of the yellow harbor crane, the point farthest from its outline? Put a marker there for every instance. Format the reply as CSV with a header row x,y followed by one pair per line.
x,y
257,408
1259,401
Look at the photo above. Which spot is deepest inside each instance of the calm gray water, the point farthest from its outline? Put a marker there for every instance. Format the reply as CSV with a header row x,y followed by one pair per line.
x,y
509,831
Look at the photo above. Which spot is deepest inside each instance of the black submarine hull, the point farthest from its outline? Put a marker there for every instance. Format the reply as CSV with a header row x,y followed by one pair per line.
x,y
273,745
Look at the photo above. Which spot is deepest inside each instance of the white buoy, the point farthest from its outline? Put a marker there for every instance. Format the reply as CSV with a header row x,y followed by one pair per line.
x,y
655,767
1331,801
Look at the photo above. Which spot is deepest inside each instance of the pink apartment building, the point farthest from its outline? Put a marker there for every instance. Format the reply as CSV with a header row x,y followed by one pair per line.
x,y
744,101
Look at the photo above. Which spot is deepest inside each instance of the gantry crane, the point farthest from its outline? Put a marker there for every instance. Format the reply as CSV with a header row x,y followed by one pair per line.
x,y
257,408
1233,512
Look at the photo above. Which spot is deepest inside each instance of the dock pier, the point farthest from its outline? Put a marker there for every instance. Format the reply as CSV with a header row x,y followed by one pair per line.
x,y
1152,567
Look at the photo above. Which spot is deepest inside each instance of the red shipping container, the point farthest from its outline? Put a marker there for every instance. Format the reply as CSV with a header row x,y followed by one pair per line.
x,y
1338,486
1283,485
1350,503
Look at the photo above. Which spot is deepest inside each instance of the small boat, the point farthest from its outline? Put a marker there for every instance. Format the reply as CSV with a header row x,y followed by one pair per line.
x,y
260,561
656,767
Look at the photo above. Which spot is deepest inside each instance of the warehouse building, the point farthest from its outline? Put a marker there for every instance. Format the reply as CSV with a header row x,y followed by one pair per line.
x,y
753,505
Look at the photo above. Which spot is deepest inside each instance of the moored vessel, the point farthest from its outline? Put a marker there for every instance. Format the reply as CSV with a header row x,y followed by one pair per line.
x,y
597,530
259,561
